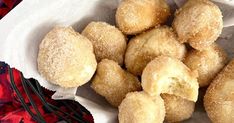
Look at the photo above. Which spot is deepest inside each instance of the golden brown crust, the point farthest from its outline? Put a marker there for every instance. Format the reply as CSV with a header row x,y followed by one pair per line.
x,y
145,47
207,62
112,82
169,75
219,97
107,40
177,108
198,22
136,16
139,107
66,58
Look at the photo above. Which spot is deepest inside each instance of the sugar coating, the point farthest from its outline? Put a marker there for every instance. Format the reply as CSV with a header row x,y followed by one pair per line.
x,y
112,82
219,97
145,47
169,75
198,22
136,16
66,58
177,108
208,63
107,40
139,107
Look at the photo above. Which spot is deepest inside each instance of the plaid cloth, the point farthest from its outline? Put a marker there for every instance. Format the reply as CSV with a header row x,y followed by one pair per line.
x,y
24,101
7,5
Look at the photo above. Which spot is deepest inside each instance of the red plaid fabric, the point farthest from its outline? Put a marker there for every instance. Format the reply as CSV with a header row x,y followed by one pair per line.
x,y
7,5
12,110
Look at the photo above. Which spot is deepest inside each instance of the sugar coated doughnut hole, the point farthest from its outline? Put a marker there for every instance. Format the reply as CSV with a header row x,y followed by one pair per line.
x,y
107,40
177,108
139,107
198,22
66,58
136,16
146,46
112,82
219,97
207,62
169,75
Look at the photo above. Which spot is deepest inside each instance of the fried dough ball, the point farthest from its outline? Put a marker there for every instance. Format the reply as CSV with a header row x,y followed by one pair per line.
x,y
198,22
169,75
207,62
177,108
219,97
66,58
139,107
107,40
136,16
145,47
112,82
